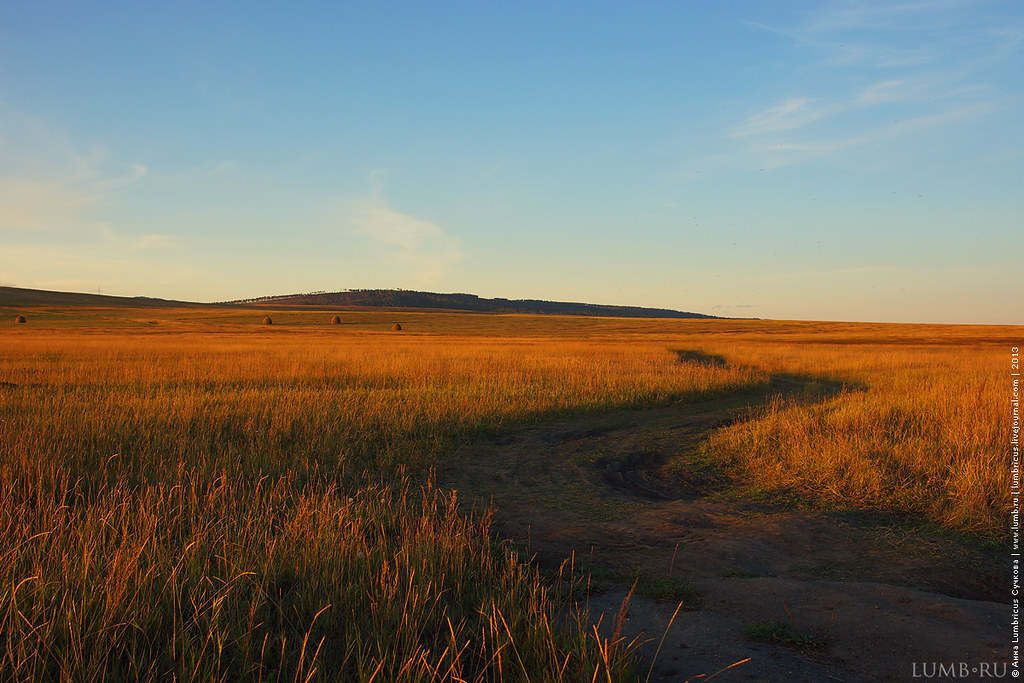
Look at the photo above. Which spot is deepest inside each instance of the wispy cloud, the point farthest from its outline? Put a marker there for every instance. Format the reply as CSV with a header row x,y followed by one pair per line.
x,y
800,112
129,244
43,203
92,265
134,174
881,15
886,72
153,242
44,208
866,34
58,207
55,203
417,245
795,112
47,183
770,154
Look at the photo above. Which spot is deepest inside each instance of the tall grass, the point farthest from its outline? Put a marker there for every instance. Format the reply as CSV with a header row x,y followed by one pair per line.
x,y
203,507
225,504
920,429
228,580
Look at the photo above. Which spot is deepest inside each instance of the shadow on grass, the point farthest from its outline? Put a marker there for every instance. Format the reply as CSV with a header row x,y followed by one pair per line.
x,y
779,383
657,474
699,358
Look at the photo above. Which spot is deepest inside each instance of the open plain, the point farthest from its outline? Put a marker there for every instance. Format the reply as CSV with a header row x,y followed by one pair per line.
x,y
189,493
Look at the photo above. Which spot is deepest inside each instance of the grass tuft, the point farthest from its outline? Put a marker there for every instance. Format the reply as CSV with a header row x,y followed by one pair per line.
x,y
777,633
191,502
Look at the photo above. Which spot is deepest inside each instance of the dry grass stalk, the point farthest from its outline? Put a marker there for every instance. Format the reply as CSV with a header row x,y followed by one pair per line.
x,y
171,506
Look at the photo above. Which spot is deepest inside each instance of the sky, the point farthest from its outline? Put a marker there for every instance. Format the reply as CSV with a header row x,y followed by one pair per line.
x,y
858,161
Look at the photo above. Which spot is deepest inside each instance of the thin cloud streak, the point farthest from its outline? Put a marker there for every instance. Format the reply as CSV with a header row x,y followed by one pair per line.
x,y
128,244
47,184
795,112
934,65
415,244
54,201
33,204
799,112
881,16
787,153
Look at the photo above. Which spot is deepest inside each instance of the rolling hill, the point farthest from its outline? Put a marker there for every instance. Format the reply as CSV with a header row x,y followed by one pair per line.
x,y
19,296
357,298
401,298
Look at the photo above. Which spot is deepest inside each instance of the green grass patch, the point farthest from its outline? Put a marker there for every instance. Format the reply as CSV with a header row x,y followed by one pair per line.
x,y
778,633
659,589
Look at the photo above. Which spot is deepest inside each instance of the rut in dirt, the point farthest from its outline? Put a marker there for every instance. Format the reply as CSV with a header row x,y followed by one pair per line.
x,y
622,496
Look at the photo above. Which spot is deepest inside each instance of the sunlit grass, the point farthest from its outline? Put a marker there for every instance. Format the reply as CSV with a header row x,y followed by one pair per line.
x,y
921,429
199,497
223,507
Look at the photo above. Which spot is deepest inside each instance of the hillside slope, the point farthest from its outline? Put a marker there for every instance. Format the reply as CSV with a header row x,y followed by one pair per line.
x,y
19,296
400,298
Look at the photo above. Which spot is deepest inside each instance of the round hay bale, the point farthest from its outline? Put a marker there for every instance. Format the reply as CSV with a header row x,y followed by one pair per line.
x,y
268,321
336,320
397,327
20,320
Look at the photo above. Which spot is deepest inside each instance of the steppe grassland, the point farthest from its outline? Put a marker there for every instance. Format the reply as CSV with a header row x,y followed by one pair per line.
x,y
221,501
920,428
230,505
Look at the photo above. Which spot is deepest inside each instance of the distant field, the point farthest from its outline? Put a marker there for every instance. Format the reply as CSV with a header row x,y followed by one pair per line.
x,y
208,318
189,492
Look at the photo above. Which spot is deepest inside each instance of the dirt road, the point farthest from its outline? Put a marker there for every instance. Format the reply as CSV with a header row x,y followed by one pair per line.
x,y
802,595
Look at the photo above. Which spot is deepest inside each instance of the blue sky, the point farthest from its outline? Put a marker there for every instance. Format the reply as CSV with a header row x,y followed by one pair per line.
x,y
790,160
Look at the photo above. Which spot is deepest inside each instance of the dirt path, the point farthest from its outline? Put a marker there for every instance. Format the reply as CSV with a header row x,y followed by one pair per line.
x,y
862,597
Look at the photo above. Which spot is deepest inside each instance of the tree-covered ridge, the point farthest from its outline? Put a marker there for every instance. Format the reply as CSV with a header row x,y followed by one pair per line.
x,y
401,298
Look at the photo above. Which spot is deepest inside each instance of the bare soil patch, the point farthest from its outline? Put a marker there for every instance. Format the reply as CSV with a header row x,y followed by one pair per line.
x,y
865,595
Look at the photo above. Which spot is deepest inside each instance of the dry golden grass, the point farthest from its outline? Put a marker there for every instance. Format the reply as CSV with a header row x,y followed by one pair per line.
x,y
202,497
226,506
920,429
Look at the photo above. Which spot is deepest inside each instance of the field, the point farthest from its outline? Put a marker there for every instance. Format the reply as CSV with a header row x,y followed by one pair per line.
x,y
188,493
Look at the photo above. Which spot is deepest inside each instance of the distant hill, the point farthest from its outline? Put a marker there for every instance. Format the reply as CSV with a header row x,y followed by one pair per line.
x,y
19,296
400,298
356,298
